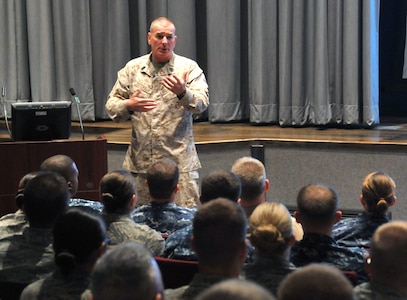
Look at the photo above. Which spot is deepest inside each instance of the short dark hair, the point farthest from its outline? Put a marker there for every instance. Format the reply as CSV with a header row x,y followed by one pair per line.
x,y
322,281
317,203
219,227
220,183
125,271
162,178
116,190
46,197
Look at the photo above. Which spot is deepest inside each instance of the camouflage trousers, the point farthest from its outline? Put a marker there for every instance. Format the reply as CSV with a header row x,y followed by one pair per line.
x,y
187,196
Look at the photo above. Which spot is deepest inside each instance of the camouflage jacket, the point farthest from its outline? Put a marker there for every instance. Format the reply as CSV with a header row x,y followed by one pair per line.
x,y
58,286
26,257
357,232
122,228
370,291
165,131
319,248
164,217
268,272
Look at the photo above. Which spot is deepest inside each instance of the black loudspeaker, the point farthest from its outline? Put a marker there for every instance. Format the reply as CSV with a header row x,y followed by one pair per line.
x,y
257,151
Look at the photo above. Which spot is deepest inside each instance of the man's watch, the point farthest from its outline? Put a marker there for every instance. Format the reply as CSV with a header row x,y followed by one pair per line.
x,y
180,96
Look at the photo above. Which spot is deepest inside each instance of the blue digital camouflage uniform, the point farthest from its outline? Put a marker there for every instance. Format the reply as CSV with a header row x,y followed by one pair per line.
x,y
199,283
178,246
319,248
58,286
357,232
370,291
26,257
122,228
94,205
164,217
268,272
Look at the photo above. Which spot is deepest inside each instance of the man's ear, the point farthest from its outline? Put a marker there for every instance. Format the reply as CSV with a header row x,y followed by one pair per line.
x,y
338,216
267,185
297,216
193,244
133,201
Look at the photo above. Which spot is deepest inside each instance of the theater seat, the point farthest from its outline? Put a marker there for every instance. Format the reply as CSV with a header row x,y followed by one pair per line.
x,y
175,272
352,276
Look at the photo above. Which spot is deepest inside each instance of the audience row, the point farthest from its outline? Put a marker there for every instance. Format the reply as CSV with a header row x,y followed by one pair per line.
x,y
56,244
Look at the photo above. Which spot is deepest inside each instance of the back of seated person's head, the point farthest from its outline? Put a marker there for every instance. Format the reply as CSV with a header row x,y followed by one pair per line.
x,y
118,192
236,289
378,193
219,233
46,197
78,240
21,185
316,282
388,255
317,205
252,175
270,229
220,183
127,271
162,179
65,166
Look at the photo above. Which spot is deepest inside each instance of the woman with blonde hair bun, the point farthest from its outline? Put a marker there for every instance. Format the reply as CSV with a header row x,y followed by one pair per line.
x,y
378,194
271,233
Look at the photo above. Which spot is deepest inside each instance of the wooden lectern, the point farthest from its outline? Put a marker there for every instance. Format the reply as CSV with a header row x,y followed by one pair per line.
x,y
20,158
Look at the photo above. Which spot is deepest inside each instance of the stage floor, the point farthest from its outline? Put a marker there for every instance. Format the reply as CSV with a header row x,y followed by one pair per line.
x,y
387,133
209,133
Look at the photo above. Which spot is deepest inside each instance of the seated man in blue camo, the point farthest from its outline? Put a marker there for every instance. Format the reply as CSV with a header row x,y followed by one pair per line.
x,y
161,213
317,212
65,166
219,183
387,265
219,240
29,256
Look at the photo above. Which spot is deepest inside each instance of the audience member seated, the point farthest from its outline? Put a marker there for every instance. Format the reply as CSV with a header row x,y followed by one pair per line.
x,y
255,184
271,234
378,194
78,241
27,257
118,194
127,271
219,240
387,265
317,212
219,183
236,289
161,213
65,166
14,223
316,282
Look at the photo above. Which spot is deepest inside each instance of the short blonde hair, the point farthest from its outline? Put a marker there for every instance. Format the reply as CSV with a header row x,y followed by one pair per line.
x,y
270,228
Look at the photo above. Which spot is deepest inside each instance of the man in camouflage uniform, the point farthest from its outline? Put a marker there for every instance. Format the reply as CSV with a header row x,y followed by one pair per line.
x,y
317,212
387,264
219,183
160,92
65,166
127,271
27,257
161,213
14,223
219,240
